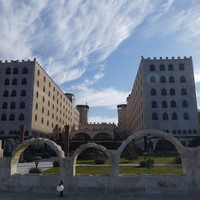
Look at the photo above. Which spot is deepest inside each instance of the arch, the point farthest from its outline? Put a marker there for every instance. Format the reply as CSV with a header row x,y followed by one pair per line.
x,y
86,146
152,67
13,93
171,79
8,70
170,67
153,92
102,136
15,70
81,136
163,79
4,105
21,148
162,67
24,81
182,79
7,81
25,70
14,81
179,147
163,92
154,104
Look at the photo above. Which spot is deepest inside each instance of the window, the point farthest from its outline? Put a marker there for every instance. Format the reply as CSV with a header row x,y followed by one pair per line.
x,y
181,66
22,105
153,92
164,92
194,131
152,79
162,79
37,94
189,131
38,83
185,116
183,91
44,79
172,91
170,67
179,131
6,93
3,117
184,104
174,116
36,106
1,132
15,70
12,117
42,121
7,82
24,81
25,70
154,104
154,116
165,116
13,93
23,93
21,117
164,104
171,79
5,105
38,72
174,132
43,89
173,104
182,79
14,81
162,67
8,70
12,105
152,67
184,131
35,117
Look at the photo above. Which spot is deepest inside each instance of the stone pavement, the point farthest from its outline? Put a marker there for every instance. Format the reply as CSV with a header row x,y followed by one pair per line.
x,y
93,196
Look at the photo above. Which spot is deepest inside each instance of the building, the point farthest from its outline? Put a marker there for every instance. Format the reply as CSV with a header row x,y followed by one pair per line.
x,y
29,97
163,97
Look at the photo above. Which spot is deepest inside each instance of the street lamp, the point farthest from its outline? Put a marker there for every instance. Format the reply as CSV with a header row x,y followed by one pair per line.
x,y
37,160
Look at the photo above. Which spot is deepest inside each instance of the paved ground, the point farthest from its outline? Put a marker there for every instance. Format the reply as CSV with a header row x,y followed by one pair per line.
x,y
93,196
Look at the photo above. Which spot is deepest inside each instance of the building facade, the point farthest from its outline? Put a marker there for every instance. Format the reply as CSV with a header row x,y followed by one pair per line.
x,y
163,97
29,97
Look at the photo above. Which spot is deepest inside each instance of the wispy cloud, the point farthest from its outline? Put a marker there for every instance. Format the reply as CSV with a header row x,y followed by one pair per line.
x,y
102,119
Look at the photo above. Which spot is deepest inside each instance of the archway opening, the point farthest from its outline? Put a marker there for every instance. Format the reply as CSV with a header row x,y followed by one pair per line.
x,y
153,154
92,161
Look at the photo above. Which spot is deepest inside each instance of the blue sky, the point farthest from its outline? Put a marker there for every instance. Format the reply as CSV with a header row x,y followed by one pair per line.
x,y
93,48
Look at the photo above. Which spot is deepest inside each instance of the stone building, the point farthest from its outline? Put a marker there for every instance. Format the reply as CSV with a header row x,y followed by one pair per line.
x,y
163,97
29,97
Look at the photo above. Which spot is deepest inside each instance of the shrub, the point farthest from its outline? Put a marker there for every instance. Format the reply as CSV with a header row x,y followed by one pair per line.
x,y
99,161
149,163
177,160
35,170
142,164
56,163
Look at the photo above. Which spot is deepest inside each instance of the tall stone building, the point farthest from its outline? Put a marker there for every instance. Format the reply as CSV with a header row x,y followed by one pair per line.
x,y
163,97
29,97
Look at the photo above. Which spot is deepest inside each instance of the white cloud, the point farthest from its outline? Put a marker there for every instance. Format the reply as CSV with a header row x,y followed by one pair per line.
x,y
103,119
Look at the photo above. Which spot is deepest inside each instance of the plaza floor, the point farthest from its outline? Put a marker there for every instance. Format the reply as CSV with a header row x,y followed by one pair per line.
x,y
92,196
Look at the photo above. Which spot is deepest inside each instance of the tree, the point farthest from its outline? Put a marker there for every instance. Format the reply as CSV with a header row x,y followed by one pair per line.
x,y
130,152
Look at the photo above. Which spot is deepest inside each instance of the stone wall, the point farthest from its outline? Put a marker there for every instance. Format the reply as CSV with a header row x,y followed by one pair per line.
x,y
188,182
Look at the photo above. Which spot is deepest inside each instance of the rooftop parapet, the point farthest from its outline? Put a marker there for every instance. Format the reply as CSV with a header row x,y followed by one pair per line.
x,y
166,58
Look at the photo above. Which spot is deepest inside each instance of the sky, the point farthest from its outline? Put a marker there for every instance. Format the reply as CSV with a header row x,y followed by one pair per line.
x,y
93,48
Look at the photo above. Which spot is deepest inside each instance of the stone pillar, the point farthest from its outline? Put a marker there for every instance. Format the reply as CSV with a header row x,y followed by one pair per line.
x,y
114,164
21,138
1,150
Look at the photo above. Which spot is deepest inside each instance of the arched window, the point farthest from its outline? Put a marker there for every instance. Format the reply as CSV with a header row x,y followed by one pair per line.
x,y
189,131
38,83
13,93
194,131
12,105
8,70
153,92
25,70
182,79
5,105
164,92
179,131
154,116
172,91
183,91
162,79
165,116
6,93
174,116
22,105
152,79
162,67
23,93
184,131
164,104
170,67
21,117
171,79
174,132
173,104
185,116
14,81
184,104
15,70
7,82
152,67
3,117
36,106
181,66
12,117
154,104
24,81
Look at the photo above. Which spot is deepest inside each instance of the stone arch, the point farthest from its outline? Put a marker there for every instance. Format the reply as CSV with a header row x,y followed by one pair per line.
x,y
81,136
84,147
179,147
102,136
21,147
